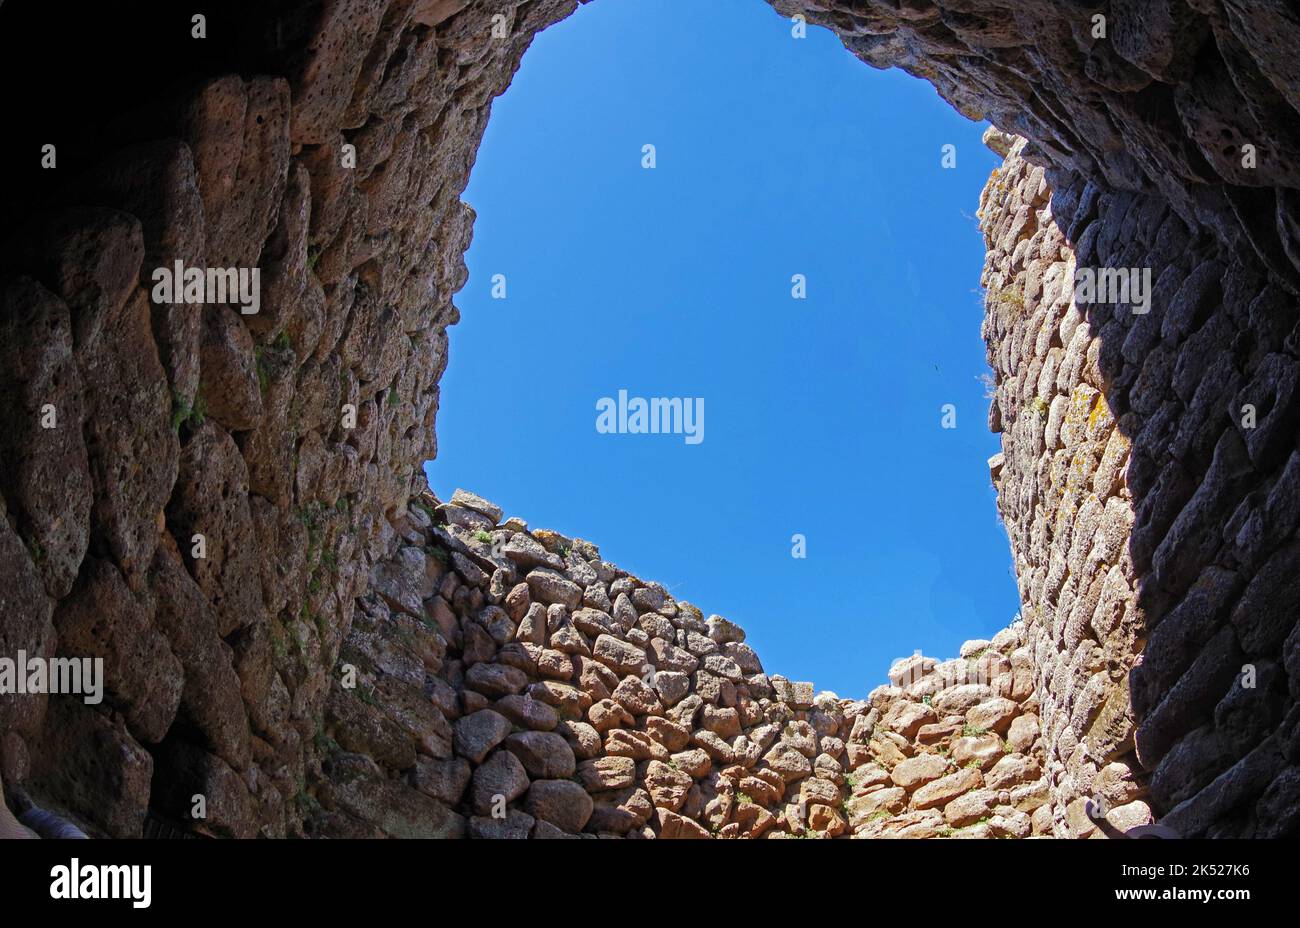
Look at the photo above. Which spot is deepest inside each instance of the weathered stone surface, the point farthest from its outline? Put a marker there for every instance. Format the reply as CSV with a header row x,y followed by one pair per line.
x,y
26,628
969,808
515,826
619,655
396,809
133,449
528,553
993,715
945,789
496,679
563,803
478,733
582,738
668,786
499,780
917,771
674,826
211,499
364,729
46,470
210,699
906,718
606,773
468,500
444,780
545,755
103,619
80,739
527,712
547,586
877,802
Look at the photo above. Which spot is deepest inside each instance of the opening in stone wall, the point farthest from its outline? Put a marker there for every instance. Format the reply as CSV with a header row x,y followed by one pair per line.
x,y
802,258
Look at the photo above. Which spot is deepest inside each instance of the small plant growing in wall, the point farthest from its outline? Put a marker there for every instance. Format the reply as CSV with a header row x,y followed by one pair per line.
x,y
367,696
263,374
35,550
306,803
184,412
278,646
324,743
1011,297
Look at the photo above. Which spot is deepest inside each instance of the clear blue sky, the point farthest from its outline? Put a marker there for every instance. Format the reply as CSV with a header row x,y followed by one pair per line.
x,y
775,157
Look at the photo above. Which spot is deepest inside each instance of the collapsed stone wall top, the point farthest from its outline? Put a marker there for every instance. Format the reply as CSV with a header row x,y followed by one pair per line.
x,y
512,683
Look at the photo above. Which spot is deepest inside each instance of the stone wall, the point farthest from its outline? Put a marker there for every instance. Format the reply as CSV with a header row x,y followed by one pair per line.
x,y
216,488
499,682
1151,515
1153,528
286,439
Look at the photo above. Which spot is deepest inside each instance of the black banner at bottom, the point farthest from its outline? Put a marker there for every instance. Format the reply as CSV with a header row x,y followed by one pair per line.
x,y
333,878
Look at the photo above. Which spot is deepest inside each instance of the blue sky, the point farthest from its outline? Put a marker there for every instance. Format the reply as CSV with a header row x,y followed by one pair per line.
x,y
775,157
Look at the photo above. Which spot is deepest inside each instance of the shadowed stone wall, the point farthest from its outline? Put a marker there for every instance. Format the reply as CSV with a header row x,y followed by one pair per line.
x,y
288,439
1147,482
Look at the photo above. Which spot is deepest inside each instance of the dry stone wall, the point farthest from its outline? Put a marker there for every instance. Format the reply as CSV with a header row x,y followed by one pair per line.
x,y
281,442
499,682
1147,474
220,490
1147,485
